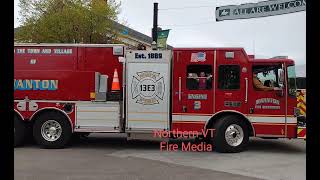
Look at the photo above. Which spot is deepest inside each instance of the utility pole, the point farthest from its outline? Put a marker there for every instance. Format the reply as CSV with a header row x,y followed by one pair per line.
x,y
155,22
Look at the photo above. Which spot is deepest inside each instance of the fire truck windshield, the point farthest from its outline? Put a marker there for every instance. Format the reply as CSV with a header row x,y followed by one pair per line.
x,y
292,88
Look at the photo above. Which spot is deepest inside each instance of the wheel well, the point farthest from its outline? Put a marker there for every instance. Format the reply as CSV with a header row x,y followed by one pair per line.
x,y
18,115
216,117
21,118
43,111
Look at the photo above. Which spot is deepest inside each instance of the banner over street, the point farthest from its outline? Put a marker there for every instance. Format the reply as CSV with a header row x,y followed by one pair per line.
x,y
261,9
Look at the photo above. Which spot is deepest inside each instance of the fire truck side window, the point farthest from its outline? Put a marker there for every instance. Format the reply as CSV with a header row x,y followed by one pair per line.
x,y
199,77
229,77
266,75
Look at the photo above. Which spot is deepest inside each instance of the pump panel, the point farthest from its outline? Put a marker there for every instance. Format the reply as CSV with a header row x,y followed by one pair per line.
x,y
147,90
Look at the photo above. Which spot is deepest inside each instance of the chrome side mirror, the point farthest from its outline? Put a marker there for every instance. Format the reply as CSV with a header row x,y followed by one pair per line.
x,y
281,77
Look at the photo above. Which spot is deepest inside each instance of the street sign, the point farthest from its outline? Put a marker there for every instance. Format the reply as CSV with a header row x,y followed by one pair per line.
x,y
125,32
261,9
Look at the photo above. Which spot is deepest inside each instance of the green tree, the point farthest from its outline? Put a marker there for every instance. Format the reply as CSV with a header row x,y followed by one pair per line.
x,y
67,21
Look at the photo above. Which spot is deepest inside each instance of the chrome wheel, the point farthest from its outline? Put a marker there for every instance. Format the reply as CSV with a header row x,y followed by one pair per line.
x,y
234,135
51,130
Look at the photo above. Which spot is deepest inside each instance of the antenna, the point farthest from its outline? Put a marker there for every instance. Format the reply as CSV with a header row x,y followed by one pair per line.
x,y
254,48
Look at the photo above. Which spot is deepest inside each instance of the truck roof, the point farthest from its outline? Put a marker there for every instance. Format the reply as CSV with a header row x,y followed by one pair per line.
x,y
250,57
289,61
208,48
68,45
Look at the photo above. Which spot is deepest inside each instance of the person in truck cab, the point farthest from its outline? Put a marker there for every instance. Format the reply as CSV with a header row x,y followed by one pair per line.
x,y
260,86
192,82
202,81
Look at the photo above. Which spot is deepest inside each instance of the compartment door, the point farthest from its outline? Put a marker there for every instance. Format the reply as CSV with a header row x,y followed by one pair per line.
x,y
97,117
148,89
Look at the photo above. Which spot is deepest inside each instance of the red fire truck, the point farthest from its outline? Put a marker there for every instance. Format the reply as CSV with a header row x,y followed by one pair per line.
x,y
62,90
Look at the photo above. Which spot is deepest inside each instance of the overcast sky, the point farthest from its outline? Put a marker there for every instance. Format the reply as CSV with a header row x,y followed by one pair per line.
x,y
281,35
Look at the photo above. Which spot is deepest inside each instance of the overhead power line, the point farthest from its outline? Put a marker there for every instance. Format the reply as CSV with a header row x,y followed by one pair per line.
x,y
184,25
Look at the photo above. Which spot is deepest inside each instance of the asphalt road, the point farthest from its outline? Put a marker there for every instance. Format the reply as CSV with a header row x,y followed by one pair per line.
x,y
103,156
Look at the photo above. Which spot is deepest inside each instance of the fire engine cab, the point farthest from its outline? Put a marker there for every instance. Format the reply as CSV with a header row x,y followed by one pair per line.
x,y
70,89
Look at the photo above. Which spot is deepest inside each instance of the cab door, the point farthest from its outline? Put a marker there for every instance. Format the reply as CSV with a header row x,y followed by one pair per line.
x,y
232,81
192,89
267,107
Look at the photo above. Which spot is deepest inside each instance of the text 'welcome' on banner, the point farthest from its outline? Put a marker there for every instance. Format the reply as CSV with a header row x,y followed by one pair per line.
x,y
261,9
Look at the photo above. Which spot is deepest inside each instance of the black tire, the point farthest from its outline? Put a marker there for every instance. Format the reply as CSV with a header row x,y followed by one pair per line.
x,y
29,134
219,141
20,131
66,131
